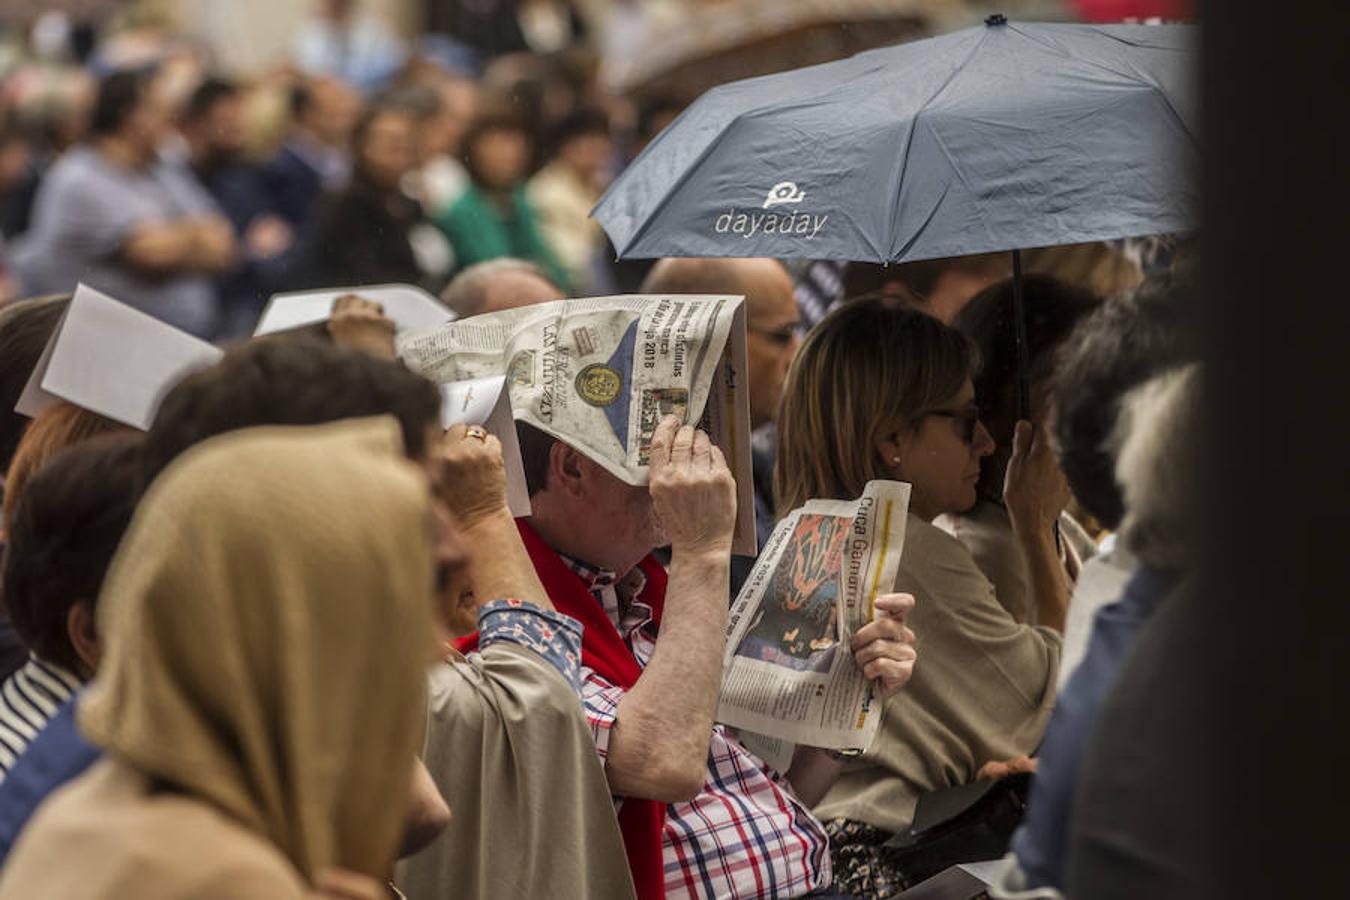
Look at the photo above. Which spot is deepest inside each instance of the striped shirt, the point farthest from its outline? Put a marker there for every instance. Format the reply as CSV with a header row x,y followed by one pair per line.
x,y
745,834
28,700
818,290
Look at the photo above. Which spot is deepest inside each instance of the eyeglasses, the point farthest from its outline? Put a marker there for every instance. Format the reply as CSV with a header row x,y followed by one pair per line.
x,y
967,419
781,336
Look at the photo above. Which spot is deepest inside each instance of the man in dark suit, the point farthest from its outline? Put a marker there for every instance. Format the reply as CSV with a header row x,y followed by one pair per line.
x,y
314,161
316,156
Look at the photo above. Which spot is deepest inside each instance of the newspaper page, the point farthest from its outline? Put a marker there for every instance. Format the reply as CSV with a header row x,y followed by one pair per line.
x,y
788,673
600,373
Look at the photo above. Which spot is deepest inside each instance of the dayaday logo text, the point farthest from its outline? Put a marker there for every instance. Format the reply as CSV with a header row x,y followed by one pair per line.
x,y
748,223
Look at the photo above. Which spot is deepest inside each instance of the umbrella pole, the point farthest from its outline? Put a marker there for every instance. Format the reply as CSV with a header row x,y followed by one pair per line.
x,y
1020,328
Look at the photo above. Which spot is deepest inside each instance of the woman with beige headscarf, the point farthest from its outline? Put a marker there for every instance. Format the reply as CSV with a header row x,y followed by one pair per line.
x,y
268,622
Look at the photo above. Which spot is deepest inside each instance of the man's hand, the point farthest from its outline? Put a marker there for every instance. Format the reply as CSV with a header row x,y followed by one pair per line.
x,y
361,324
692,490
884,647
996,769
1034,490
268,236
470,475
213,238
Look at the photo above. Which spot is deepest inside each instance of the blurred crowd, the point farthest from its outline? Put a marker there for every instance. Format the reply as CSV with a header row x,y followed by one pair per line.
x,y
129,160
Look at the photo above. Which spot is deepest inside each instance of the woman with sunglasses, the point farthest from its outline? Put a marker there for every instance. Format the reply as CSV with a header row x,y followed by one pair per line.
x,y
881,391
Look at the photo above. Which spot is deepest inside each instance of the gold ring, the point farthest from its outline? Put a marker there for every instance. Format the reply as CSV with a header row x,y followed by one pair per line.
x,y
474,431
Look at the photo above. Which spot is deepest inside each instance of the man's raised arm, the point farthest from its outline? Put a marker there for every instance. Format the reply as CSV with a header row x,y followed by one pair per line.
x,y
659,746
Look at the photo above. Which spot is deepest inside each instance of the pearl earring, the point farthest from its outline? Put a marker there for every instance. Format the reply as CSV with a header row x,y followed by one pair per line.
x,y
895,460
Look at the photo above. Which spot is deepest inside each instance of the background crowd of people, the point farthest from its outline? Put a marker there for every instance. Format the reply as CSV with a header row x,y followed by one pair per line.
x,y
219,630
200,193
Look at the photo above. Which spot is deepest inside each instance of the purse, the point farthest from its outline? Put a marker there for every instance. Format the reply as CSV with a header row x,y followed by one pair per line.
x,y
963,824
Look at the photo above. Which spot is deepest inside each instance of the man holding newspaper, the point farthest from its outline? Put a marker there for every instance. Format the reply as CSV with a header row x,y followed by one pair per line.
x,y
600,389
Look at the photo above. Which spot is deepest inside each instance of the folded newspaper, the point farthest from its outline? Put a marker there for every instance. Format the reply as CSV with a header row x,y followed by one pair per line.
x,y
788,673
601,373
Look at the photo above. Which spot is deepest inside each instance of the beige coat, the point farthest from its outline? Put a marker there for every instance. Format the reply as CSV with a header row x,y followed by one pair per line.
x,y
987,533
982,690
108,835
268,623
532,815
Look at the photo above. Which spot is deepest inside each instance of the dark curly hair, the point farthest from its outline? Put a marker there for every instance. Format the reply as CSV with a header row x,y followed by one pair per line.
x,y
1127,341
1053,308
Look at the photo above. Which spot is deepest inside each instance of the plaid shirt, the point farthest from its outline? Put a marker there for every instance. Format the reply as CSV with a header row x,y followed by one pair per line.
x,y
745,834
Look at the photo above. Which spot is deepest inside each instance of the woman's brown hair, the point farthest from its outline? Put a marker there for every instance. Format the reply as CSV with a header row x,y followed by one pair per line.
x,y
53,430
870,369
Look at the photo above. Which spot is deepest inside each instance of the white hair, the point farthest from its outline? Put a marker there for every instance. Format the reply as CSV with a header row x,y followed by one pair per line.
x,y
1158,466
467,292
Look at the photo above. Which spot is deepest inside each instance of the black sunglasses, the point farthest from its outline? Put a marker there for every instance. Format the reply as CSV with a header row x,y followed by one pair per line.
x,y
967,419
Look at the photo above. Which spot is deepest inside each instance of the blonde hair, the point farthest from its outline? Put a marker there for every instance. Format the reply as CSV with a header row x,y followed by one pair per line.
x,y
1097,267
869,369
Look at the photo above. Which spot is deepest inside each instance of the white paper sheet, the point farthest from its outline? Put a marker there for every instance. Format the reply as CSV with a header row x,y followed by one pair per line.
x,y
112,360
411,308
485,402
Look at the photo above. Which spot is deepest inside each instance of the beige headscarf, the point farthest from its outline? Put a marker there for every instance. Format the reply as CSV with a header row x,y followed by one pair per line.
x,y
268,620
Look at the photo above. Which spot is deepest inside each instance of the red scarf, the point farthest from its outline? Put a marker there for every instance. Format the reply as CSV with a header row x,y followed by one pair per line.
x,y
602,650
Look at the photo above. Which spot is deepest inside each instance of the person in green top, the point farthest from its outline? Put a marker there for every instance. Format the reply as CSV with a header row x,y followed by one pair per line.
x,y
493,218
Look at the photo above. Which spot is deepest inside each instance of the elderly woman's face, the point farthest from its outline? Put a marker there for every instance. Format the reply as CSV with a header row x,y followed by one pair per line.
x,y
940,457
502,156
389,149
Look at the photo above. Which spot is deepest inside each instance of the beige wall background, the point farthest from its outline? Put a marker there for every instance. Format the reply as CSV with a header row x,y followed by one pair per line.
x,y
254,34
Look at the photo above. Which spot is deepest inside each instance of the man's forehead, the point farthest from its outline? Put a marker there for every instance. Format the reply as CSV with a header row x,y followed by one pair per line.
x,y
768,293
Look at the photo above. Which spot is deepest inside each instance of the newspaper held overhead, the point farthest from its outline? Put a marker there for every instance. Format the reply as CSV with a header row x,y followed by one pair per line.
x,y
601,373
788,673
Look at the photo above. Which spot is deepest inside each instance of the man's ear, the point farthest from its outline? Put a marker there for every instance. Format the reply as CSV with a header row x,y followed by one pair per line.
x,y
567,468
83,634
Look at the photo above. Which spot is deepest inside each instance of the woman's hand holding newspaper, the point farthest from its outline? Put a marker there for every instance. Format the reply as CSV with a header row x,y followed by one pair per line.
x,y
884,647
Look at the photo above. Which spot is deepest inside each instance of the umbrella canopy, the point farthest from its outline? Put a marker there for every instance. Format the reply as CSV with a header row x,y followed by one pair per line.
x,y
997,137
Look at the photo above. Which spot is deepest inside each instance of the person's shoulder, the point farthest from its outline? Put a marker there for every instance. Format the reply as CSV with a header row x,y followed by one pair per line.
x,y
287,164
548,181
220,859
938,568
136,842
470,202
79,167
926,545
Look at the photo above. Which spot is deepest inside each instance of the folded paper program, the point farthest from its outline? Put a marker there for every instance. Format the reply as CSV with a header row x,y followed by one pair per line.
x,y
112,360
411,308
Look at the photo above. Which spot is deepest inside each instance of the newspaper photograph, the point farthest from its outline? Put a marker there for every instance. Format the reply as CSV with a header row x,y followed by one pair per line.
x,y
788,673
600,373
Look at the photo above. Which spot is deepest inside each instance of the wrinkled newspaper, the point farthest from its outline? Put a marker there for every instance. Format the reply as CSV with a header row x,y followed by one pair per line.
x,y
601,373
788,673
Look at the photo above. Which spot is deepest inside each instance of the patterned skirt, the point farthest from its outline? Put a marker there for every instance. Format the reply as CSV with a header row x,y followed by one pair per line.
x,y
861,866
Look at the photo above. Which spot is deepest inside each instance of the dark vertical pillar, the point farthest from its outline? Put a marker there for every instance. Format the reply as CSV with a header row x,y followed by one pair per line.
x,y
1275,273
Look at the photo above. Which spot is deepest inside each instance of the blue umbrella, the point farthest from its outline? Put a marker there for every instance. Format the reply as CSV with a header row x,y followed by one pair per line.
x,y
993,138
